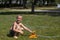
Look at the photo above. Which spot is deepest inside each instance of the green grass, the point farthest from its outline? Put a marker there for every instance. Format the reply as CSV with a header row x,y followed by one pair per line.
x,y
44,25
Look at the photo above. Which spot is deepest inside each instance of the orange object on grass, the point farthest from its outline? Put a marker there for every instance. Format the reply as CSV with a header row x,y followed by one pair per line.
x,y
33,35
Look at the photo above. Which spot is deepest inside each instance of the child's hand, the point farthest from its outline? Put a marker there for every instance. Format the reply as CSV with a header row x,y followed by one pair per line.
x,y
33,35
33,32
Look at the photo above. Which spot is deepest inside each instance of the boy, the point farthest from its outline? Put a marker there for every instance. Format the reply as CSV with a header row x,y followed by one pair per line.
x,y
18,27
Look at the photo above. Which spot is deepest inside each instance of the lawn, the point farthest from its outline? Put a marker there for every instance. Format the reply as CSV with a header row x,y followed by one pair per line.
x,y
46,27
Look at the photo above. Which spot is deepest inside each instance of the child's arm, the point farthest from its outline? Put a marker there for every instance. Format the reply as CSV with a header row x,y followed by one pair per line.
x,y
26,28
14,26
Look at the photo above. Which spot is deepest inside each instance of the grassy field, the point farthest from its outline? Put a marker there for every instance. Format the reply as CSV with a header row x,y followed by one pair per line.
x,y
46,27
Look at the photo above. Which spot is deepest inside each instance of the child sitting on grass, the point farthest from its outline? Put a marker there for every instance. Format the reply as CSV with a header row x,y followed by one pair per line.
x,y
18,27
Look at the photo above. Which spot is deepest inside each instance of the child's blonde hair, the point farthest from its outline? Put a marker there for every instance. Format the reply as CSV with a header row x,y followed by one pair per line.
x,y
19,16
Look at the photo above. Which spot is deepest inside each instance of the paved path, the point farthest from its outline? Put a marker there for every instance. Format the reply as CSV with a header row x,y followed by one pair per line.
x,y
28,10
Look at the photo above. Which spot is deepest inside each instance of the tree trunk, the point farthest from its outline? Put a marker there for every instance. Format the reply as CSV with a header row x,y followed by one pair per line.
x,y
1,3
44,2
10,3
33,6
16,2
20,2
24,3
5,4
40,3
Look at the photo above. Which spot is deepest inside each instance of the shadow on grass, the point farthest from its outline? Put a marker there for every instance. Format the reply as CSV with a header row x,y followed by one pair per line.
x,y
49,13
11,34
54,14
8,35
35,13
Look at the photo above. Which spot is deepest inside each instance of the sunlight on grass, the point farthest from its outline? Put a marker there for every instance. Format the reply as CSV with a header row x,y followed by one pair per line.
x,y
43,25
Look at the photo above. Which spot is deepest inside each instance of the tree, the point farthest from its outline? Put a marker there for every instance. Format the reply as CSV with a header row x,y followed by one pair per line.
x,y
10,3
40,2
1,3
51,2
24,3
33,6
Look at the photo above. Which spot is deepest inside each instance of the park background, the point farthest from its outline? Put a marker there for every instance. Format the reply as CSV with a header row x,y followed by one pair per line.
x,y
45,20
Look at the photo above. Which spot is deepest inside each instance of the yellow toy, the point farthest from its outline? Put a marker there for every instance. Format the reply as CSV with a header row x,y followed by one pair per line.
x,y
33,35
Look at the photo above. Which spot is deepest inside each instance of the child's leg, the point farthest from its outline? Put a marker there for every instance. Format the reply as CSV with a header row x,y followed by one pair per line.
x,y
21,32
18,34
15,35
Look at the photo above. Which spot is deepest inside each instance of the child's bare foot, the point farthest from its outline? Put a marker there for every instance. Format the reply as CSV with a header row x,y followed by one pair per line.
x,y
15,37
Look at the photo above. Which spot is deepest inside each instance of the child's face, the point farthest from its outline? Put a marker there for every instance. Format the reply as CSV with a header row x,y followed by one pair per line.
x,y
19,18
